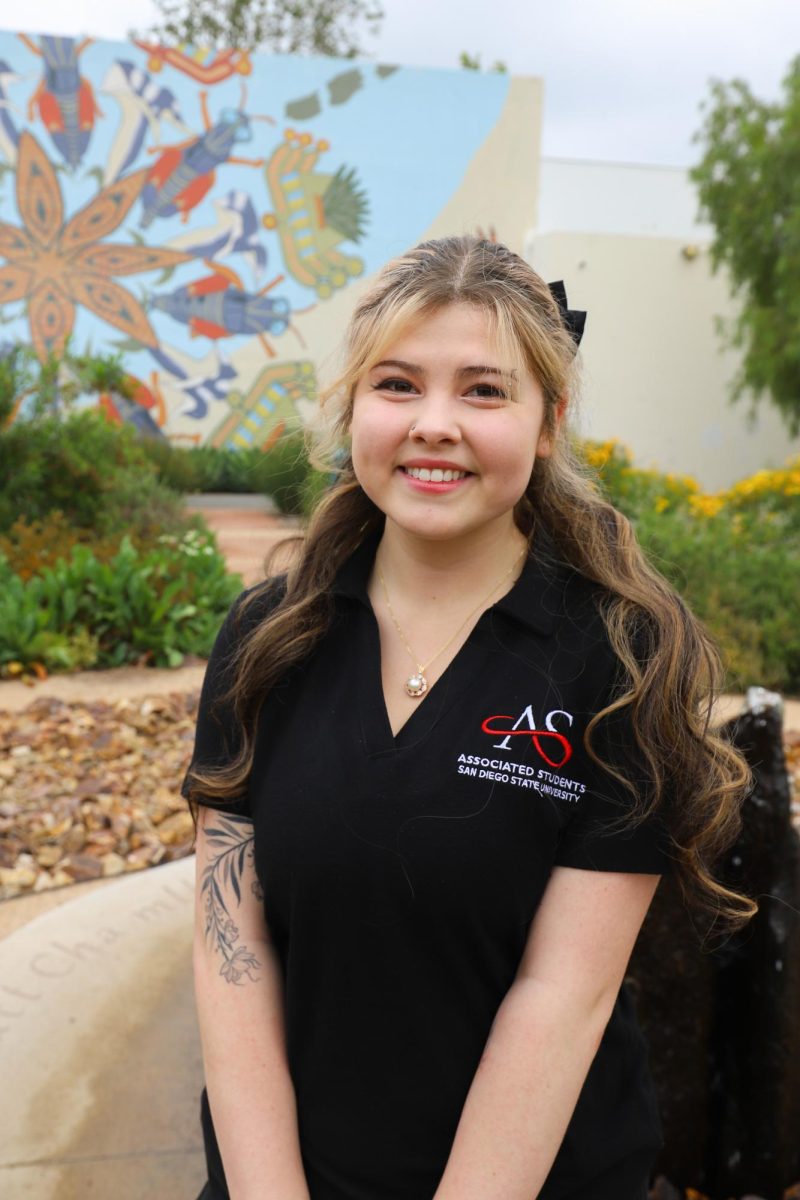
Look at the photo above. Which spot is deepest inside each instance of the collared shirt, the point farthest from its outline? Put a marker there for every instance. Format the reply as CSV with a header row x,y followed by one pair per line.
x,y
401,873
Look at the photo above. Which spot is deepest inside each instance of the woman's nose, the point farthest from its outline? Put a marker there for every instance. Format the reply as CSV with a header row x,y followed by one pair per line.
x,y
435,421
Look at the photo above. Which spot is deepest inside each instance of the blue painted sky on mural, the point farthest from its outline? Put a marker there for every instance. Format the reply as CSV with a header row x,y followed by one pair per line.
x,y
452,114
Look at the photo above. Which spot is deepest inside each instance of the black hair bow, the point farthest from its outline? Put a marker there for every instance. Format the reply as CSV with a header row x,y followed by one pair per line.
x,y
574,320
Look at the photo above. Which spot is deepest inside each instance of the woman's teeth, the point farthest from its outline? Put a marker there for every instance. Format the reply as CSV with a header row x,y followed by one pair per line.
x,y
434,475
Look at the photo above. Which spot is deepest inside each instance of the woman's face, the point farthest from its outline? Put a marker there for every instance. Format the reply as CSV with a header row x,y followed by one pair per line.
x,y
437,442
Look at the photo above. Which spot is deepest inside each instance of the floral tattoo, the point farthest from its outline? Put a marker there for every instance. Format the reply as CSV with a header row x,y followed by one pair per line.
x,y
231,846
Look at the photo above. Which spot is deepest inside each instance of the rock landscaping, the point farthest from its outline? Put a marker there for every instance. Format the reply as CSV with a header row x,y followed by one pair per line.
x,y
92,789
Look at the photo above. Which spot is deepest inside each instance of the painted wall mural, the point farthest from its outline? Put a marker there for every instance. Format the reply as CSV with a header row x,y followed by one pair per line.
x,y
212,215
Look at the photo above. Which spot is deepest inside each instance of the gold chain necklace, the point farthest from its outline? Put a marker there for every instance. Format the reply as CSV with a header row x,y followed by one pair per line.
x,y
417,685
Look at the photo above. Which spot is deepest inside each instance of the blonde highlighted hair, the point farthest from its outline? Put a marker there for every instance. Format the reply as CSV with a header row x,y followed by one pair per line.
x,y
671,668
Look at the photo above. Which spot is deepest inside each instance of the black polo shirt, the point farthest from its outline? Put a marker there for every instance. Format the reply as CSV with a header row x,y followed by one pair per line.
x,y
400,875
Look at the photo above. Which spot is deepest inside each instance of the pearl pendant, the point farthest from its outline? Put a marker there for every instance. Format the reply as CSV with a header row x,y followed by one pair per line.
x,y
416,685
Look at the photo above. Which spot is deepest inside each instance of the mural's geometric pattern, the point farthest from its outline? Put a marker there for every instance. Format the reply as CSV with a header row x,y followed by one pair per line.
x,y
191,208
55,264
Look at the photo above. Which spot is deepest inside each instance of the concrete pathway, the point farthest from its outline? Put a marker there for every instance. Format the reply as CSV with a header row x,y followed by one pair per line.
x,y
247,529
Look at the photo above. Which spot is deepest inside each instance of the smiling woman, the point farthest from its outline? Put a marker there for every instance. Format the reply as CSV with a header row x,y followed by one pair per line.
x,y
461,739
427,409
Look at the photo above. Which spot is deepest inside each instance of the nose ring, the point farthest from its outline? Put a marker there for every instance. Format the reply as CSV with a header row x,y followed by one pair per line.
x,y
411,430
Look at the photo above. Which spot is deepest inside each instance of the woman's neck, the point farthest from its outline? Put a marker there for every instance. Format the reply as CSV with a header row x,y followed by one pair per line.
x,y
419,571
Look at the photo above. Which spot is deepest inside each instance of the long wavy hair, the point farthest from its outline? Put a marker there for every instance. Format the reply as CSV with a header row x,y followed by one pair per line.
x,y
669,666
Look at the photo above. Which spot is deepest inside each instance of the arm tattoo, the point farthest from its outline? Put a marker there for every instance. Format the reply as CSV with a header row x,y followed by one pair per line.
x,y
230,847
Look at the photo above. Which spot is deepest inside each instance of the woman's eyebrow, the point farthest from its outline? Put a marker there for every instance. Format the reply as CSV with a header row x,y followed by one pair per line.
x,y
486,370
413,368
463,372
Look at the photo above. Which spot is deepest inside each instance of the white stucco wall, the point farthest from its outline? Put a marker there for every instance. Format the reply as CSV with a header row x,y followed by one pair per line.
x,y
629,198
655,373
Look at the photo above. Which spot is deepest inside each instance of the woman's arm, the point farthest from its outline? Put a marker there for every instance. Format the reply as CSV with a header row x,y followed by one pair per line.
x,y
546,1034
239,996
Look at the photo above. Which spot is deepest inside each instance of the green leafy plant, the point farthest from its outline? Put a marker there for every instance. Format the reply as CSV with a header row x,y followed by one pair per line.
x,y
30,546
148,608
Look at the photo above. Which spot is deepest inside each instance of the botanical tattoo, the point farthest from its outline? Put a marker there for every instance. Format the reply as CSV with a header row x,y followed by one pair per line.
x,y
230,841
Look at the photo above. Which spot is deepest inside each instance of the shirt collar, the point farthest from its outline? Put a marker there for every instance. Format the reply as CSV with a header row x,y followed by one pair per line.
x,y
535,600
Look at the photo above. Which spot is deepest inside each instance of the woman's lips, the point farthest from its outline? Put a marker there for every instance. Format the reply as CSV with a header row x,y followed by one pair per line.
x,y
433,486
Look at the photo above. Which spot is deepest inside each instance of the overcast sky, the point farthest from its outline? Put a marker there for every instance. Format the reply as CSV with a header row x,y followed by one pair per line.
x,y
623,78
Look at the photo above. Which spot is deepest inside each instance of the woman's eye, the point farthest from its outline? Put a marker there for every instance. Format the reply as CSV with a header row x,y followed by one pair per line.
x,y
487,391
400,386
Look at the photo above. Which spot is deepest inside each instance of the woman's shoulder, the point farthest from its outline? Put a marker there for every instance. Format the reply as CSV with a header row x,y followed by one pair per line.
x,y
587,617
583,605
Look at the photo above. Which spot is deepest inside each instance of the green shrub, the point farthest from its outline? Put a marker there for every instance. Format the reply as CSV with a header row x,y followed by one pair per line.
x,y
30,546
153,607
733,555
96,473
282,472
203,468
181,469
743,582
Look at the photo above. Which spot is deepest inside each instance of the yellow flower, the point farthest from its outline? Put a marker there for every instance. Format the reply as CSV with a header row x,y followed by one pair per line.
x,y
597,454
767,483
705,506
661,503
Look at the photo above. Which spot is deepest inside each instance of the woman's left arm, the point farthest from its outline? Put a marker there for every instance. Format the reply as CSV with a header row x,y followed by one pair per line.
x,y
545,1034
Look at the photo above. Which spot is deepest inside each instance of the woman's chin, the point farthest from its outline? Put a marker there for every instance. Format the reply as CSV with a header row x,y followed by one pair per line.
x,y
433,527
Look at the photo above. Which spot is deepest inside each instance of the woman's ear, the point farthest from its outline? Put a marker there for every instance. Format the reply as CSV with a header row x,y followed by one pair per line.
x,y
547,437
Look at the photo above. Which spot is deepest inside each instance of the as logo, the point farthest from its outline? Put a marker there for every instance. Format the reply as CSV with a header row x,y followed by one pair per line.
x,y
545,739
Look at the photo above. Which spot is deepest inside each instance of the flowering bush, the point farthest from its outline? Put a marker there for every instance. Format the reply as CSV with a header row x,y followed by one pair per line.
x,y
634,490
140,606
734,555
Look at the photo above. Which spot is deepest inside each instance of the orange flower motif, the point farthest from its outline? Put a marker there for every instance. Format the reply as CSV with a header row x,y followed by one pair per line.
x,y
56,265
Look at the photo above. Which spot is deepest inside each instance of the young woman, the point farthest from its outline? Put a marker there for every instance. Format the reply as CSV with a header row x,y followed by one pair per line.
x,y
440,767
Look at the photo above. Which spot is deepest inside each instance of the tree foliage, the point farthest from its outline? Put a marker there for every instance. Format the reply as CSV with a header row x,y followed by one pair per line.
x,y
749,188
472,62
284,26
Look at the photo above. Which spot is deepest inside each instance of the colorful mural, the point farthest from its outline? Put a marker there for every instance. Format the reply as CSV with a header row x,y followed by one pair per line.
x,y
208,214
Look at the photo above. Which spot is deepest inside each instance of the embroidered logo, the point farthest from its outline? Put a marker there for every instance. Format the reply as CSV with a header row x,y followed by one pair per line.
x,y
551,745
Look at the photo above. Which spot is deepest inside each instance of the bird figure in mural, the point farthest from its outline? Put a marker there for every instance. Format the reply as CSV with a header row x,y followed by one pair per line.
x,y
144,104
9,134
235,232
201,380
64,99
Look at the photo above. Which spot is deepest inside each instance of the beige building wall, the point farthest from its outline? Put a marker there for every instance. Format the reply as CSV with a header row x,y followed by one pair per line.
x,y
654,373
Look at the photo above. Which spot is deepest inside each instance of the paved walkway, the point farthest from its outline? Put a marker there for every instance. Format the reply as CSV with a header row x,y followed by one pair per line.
x,y
100,1046
97,1020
